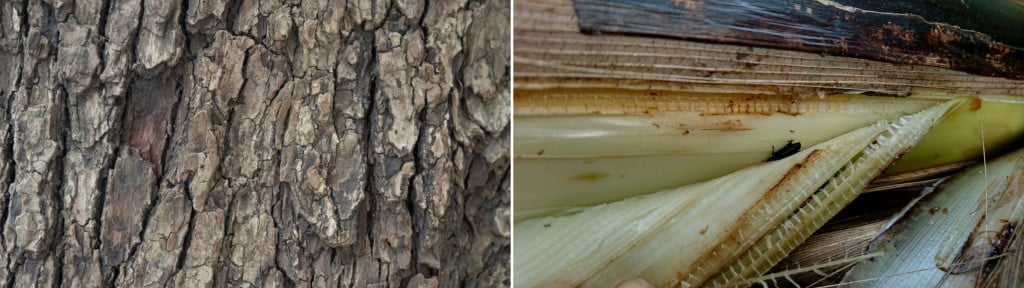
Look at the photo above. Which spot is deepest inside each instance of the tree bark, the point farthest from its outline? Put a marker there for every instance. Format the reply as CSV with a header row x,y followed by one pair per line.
x,y
265,143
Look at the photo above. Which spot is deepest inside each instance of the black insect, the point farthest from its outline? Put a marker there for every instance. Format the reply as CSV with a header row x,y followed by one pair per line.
x,y
790,149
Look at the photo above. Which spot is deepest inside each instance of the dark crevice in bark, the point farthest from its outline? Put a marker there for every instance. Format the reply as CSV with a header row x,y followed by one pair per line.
x,y
101,44
50,30
149,210
287,282
115,273
10,168
20,73
283,192
101,25
464,180
457,84
224,146
101,199
166,160
369,136
56,243
290,47
187,55
422,16
266,111
419,217
118,140
165,155
187,193
24,20
223,263
103,186
221,267
275,212
133,43
277,154
13,273
5,200
231,16
355,271
183,255
141,236
114,135
418,224
233,101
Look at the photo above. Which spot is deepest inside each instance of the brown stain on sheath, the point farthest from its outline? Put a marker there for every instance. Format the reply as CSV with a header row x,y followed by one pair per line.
x,y
727,125
590,177
735,123
747,217
790,112
809,26
897,31
814,154
704,230
975,104
944,33
761,105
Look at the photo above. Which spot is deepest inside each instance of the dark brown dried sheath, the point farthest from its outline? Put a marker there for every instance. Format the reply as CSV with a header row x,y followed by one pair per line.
x,y
953,35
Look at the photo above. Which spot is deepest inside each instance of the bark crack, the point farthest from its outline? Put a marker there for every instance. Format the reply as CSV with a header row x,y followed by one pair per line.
x,y
419,23
276,208
101,45
165,156
183,25
419,220
58,225
183,255
166,161
149,211
14,278
369,135
24,19
135,43
273,98
231,16
9,145
21,52
104,188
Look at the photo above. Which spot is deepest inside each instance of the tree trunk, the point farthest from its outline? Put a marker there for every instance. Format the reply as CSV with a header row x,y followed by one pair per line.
x,y
267,143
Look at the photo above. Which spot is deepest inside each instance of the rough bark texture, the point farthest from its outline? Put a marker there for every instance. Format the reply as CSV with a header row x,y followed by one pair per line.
x,y
263,143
